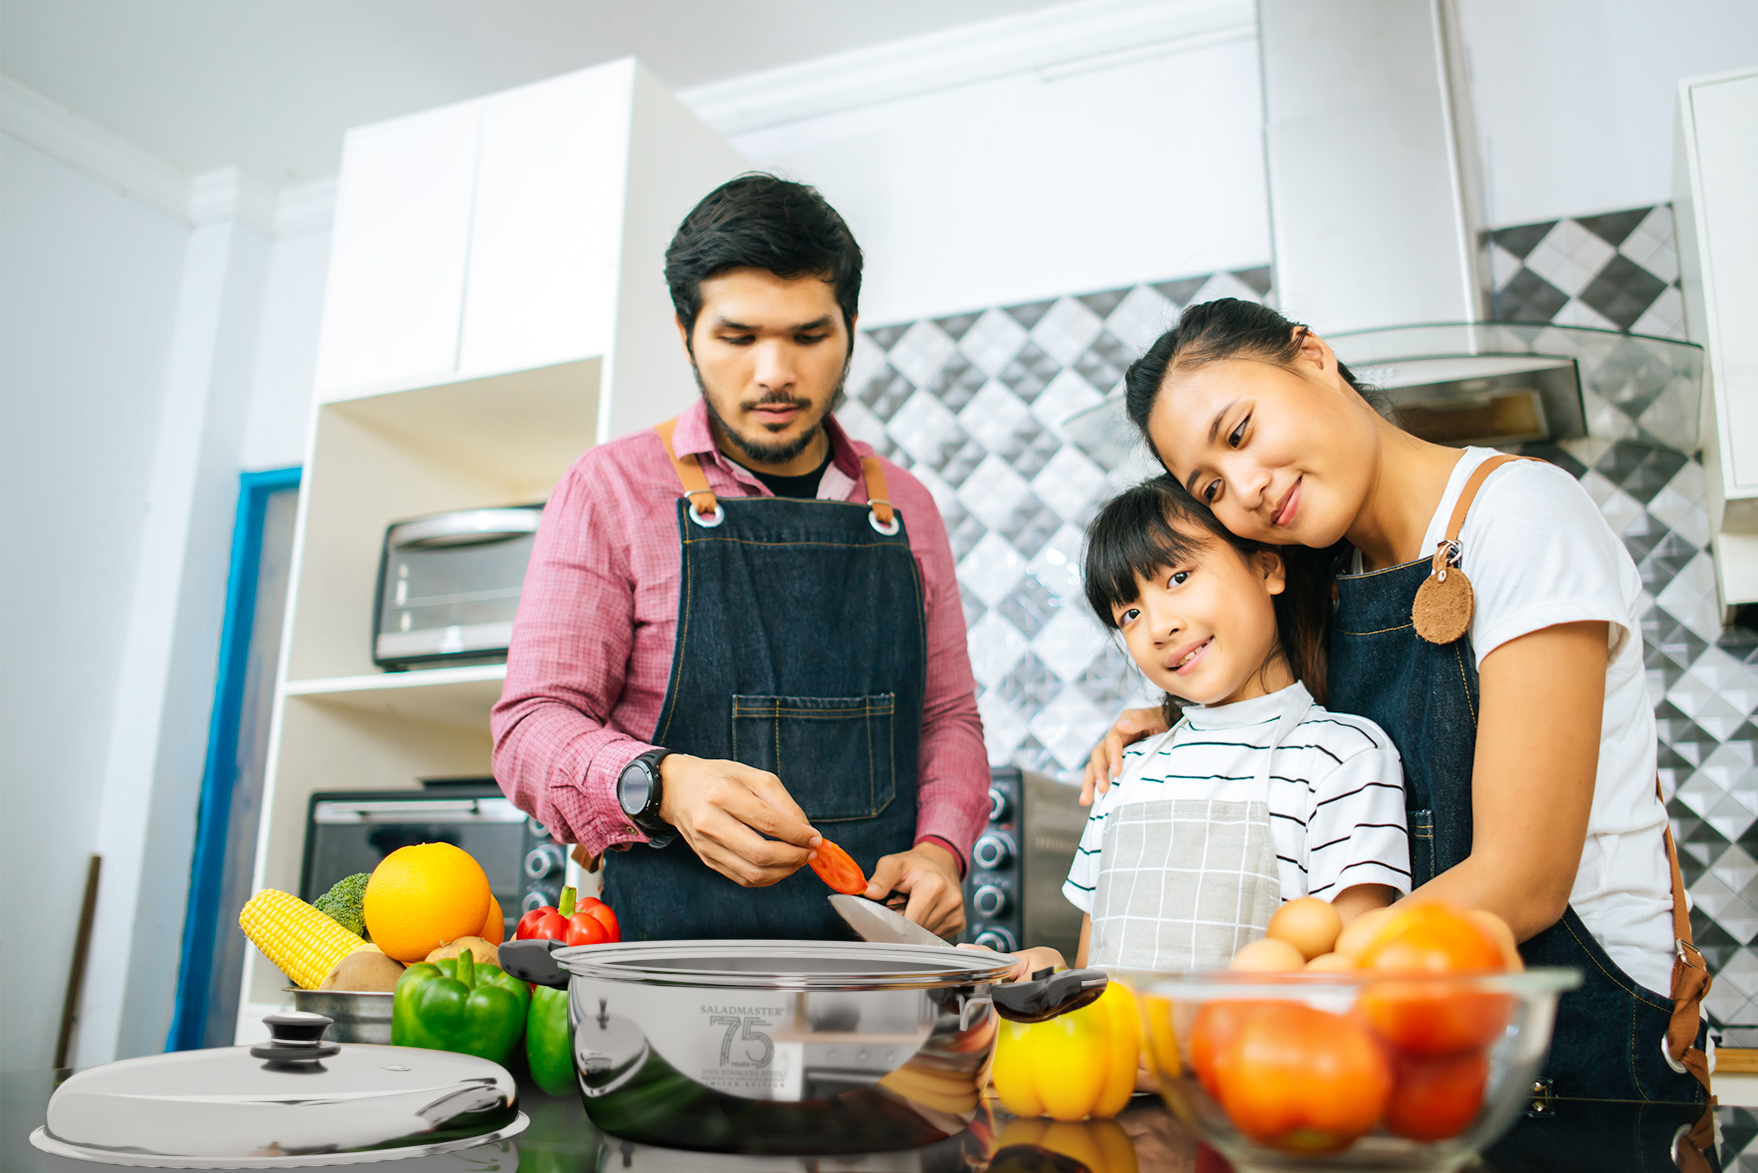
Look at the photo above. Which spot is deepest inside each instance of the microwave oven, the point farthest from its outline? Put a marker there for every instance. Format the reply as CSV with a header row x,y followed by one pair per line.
x,y
350,831
448,586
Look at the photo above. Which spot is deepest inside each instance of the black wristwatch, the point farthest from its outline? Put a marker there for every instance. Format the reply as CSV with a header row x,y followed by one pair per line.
x,y
639,792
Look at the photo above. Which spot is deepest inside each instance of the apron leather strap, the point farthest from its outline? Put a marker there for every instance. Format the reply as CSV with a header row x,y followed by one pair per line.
x,y
877,497
690,474
702,498
1691,979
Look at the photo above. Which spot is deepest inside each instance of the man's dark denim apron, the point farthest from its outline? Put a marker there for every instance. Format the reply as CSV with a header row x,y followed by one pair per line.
x,y
801,650
1607,1042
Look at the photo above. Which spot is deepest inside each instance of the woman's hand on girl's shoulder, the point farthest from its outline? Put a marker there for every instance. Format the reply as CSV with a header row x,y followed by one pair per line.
x,y
1107,757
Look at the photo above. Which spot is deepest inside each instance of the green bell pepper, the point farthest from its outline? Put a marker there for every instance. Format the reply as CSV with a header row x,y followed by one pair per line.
x,y
458,1005
549,1043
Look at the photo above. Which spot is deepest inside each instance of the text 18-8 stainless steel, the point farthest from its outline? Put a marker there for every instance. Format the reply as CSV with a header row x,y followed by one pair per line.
x,y
786,1047
296,1100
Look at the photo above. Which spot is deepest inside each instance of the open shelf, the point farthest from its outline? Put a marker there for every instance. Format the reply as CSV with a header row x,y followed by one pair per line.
x,y
447,696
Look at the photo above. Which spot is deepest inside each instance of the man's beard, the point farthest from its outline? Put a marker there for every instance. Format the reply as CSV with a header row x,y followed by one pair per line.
x,y
758,450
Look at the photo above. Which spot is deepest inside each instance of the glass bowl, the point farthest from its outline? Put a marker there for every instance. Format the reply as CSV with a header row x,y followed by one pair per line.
x,y
1348,1070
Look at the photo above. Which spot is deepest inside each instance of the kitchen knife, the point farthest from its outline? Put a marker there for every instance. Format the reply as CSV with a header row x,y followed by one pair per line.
x,y
874,922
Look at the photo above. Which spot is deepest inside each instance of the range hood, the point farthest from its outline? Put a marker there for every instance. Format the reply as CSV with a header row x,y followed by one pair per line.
x,y
1376,235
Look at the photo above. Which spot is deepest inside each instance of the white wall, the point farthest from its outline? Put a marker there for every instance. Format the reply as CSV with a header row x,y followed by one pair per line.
x,y
286,352
1576,99
87,311
1021,187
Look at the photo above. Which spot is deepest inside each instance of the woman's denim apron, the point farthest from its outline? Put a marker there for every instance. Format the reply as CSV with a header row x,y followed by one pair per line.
x,y
801,650
1607,1042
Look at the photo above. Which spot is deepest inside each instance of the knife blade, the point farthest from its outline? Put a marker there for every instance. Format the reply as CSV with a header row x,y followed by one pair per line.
x,y
872,921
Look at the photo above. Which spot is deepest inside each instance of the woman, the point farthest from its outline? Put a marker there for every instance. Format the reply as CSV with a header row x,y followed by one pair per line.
x,y
1523,715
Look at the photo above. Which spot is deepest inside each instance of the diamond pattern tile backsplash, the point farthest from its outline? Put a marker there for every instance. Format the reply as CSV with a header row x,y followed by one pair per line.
x,y
973,405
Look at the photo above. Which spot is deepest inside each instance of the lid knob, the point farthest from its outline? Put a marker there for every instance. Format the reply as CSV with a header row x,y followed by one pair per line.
x,y
295,1036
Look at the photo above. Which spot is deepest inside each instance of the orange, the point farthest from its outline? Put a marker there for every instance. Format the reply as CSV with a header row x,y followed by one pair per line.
x,y
495,927
420,897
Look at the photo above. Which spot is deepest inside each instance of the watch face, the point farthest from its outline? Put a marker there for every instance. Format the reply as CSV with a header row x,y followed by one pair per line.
x,y
634,788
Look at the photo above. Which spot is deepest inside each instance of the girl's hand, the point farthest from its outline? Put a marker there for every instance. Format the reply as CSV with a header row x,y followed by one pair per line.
x,y
1028,961
1107,760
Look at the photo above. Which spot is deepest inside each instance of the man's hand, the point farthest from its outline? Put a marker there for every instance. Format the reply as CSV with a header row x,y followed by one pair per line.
x,y
724,809
1107,759
929,874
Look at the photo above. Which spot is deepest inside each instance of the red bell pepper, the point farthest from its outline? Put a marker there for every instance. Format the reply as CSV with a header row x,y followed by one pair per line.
x,y
587,922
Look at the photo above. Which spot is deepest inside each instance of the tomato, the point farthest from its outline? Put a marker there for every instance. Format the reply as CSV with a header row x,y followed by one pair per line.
x,y
836,868
1434,1017
1435,1098
1301,1079
1214,1027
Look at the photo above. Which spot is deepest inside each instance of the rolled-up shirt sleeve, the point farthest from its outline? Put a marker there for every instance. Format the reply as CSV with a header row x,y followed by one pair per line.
x,y
556,754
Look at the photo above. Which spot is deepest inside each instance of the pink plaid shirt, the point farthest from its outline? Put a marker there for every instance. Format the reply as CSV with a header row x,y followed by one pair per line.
x,y
592,645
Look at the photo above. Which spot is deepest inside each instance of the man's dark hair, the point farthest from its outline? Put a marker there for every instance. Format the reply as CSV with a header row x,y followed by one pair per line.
x,y
758,221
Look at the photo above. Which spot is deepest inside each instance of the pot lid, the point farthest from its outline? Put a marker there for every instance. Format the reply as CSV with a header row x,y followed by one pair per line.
x,y
294,1100
786,965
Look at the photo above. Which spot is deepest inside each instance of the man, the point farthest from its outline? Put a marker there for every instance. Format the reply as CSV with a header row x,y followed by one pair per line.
x,y
740,632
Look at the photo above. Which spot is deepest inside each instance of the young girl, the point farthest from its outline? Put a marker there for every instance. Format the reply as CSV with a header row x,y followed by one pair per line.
x,y
1256,794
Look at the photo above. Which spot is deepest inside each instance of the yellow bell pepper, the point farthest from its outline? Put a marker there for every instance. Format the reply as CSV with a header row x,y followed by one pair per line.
x,y
1073,1066
1101,1146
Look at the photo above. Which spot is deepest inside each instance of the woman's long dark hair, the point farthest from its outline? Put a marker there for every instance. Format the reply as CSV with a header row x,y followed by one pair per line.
x,y
1156,525
1214,331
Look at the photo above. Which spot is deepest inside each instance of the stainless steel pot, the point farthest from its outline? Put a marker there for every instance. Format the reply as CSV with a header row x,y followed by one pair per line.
x,y
787,1047
297,1100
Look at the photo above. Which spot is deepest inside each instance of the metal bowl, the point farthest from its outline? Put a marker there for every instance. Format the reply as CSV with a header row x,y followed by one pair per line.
x,y
360,1016
1348,1071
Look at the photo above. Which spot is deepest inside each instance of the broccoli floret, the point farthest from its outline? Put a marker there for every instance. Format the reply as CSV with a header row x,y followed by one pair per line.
x,y
345,903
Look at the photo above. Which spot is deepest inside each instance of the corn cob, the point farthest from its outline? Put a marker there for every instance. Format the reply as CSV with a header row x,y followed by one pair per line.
x,y
304,943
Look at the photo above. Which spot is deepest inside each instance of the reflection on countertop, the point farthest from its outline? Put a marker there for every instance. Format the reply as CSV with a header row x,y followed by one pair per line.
x,y
1146,1138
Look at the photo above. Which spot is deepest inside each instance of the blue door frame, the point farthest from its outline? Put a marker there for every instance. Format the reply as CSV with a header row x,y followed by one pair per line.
x,y
194,976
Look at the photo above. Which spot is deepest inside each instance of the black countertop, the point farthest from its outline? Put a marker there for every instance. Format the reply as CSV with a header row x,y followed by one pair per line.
x,y
1146,1138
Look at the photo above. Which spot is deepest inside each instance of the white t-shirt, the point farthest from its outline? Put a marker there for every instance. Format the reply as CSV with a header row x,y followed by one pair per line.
x,y
1336,793
1539,553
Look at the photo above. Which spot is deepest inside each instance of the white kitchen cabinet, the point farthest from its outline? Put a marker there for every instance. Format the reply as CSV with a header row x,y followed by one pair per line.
x,y
1716,193
400,250
496,306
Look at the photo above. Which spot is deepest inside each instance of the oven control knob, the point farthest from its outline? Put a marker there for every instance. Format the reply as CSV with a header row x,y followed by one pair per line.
x,y
990,901
544,860
993,851
999,807
998,939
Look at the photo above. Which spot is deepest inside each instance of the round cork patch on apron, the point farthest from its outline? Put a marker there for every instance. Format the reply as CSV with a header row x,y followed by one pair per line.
x,y
1443,606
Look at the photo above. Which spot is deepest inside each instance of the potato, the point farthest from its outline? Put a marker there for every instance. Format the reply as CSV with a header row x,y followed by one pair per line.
x,y
367,968
480,950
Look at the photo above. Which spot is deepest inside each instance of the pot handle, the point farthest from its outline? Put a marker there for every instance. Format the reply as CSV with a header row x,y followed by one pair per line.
x,y
1048,994
530,961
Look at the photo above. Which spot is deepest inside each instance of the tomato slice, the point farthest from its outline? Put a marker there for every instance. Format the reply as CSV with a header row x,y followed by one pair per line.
x,y
836,868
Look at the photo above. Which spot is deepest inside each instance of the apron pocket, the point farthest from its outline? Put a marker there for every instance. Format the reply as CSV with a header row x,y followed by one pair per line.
x,y
832,753
1421,847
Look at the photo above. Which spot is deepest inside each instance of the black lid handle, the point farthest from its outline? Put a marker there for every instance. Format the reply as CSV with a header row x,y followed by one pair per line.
x,y
530,961
296,1036
1048,994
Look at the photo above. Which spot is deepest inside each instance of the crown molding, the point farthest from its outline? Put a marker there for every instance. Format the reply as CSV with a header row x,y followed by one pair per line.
x,y
1057,41
211,197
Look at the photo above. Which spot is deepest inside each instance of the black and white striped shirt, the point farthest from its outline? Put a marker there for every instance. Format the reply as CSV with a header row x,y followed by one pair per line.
x,y
1336,792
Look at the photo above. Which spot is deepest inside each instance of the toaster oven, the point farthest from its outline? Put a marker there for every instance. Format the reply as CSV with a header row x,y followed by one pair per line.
x,y
1013,891
448,586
